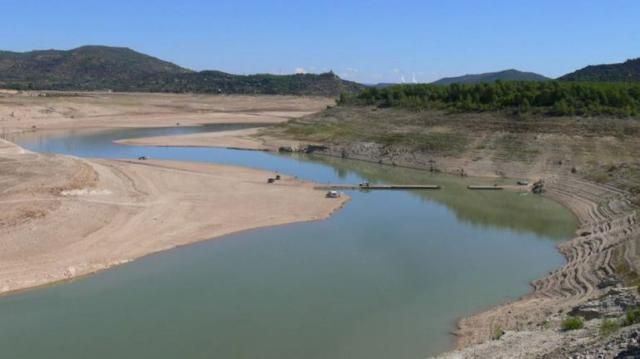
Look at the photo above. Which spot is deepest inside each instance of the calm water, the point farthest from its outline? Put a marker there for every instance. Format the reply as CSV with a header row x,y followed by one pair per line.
x,y
386,277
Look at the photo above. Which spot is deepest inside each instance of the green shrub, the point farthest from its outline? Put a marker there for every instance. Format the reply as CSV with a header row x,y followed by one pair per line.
x,y
632,317
572,323
497,333
608,327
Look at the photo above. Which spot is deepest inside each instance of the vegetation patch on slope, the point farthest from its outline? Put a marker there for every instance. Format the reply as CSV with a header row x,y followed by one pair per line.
x,y
337,126
551,98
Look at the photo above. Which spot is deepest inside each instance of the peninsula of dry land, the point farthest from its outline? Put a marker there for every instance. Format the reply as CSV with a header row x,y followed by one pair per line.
x,y
62,217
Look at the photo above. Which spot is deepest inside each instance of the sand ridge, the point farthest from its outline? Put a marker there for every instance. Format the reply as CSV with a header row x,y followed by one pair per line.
x,y
608,223
245,139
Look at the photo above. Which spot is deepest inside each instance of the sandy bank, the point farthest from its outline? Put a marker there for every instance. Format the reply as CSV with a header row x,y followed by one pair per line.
x,y
240,139
29,110
62,217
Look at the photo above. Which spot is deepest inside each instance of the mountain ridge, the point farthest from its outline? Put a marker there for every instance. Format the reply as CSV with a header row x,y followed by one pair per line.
x,y
628,71
488,77
94,67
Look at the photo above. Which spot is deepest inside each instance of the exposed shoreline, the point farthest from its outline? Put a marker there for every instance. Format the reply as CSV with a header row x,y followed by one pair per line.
x,y
606,220
570,155
63,217
22,112
603,213
235,139
604,237
102,213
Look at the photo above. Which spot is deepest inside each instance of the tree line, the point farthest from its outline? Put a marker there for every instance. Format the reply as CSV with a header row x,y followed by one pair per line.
x,y
550,98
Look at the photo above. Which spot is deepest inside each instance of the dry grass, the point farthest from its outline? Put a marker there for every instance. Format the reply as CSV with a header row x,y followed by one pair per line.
x,y
604,150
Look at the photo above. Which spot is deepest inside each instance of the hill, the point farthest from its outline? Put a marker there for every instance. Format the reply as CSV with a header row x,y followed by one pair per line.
x,y
84,68
326,84
507,75
92,68
628,71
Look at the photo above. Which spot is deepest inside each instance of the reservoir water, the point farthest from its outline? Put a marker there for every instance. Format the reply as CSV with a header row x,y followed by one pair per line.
x,y
385,277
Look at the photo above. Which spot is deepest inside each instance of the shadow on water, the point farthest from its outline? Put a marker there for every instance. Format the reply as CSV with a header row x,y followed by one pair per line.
x,y
386,277
521,212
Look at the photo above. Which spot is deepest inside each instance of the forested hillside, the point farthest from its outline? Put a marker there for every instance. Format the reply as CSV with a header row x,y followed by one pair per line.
x,y
96,68
552,98
628,71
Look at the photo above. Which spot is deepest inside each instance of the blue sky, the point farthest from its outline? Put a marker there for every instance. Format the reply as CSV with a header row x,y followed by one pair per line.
x,y
364,40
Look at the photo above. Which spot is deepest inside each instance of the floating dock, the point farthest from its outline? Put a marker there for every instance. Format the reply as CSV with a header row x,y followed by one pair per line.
x,y
489,188
377,187
348,187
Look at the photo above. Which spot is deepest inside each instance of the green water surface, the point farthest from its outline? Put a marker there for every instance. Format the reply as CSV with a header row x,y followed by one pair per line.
x,y
385,277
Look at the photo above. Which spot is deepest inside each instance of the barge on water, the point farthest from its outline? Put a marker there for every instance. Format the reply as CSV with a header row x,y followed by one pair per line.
x,y
494,187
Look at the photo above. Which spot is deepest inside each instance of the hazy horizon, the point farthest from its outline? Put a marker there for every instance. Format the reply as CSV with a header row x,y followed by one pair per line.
x,y
368,41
